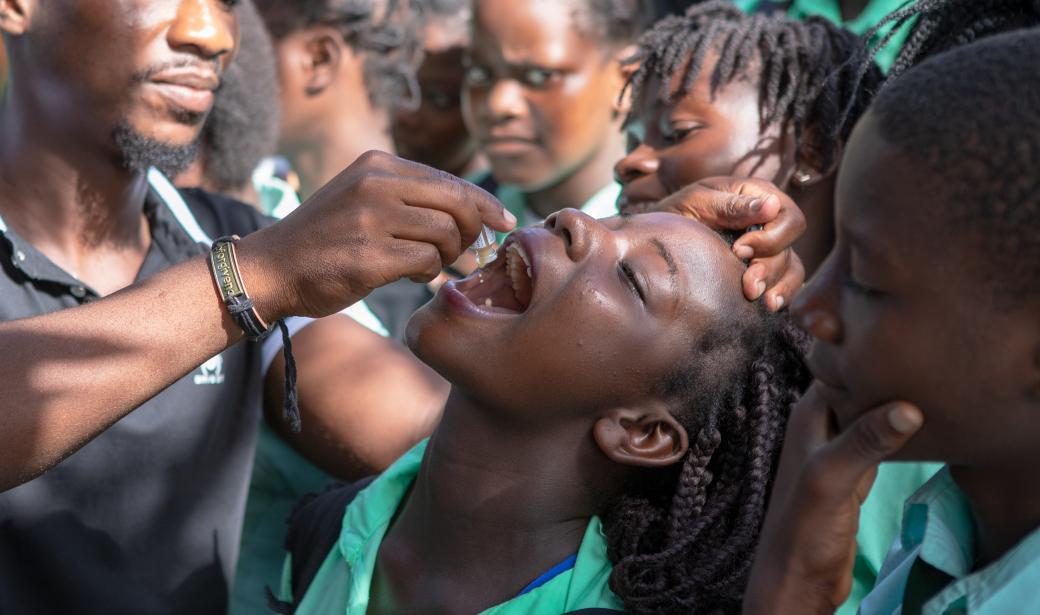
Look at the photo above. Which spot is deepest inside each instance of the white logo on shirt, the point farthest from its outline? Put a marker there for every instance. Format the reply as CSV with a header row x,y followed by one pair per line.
x,y
211,372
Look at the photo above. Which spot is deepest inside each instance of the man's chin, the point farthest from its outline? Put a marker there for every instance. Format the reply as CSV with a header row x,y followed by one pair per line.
x,y
171,152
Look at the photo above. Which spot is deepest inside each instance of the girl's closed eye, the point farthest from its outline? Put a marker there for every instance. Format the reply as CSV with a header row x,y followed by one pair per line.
x,y
631,280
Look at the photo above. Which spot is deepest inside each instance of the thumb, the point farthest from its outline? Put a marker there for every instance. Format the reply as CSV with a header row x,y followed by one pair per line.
x,y
726,203
873,438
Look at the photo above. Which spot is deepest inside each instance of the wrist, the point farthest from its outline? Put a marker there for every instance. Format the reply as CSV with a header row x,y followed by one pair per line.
x,y
261,278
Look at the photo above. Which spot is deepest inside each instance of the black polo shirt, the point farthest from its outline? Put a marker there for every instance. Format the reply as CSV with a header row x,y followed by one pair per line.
x,y
147,517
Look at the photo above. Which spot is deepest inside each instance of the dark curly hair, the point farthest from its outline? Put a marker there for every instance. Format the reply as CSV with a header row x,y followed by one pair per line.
x,y
616,22
682,541
387,32
803,69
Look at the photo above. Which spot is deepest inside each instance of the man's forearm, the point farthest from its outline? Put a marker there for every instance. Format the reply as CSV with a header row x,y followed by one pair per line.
x,y
71,374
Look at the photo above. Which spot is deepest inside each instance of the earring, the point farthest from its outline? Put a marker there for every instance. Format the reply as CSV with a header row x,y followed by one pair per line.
x,y
802,177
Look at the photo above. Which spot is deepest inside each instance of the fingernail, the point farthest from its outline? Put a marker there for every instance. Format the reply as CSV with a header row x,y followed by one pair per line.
x,y
903,419
760,287
755,205
744,252
778,302
508,215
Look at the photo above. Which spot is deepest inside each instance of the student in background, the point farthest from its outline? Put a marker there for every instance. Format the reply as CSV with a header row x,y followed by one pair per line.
x,y
344,68
938,211
435,133
541,96
717,92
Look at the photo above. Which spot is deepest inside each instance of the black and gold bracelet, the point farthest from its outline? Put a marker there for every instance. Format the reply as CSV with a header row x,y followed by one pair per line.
x,y
224,262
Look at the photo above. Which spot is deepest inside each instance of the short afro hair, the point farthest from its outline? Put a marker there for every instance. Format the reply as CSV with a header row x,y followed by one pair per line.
x,y
971,118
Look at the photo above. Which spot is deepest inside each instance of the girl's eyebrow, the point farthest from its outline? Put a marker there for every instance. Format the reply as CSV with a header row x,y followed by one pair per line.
x,y
662,249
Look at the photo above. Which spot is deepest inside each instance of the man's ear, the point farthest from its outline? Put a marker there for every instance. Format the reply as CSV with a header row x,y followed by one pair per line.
x,y
624,72
323,51
648,437
15,15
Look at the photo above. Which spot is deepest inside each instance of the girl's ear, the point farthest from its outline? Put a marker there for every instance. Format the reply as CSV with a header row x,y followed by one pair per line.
x,y
808,169
15,16
647,437
320,60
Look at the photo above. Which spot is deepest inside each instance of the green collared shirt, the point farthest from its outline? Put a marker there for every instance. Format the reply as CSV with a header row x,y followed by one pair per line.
x,y
603,204
879,523
932,563
344,582
874,12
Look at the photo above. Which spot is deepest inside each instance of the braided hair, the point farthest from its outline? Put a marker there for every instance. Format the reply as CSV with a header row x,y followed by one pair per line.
x,y
803,69
387,32
942,25
682,541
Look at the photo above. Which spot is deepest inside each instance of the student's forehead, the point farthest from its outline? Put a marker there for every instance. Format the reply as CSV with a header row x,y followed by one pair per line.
x,y
699,96
545,27
881,193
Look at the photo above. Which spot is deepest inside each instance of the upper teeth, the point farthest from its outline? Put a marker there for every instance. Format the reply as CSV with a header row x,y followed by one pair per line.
x,y
519,249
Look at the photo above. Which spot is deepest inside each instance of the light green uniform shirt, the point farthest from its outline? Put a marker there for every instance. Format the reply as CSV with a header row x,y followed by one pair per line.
x,y
603,204
880,518
939,532
343,583
873,13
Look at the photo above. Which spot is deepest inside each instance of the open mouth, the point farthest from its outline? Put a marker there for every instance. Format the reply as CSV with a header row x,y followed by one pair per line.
x,y
506,285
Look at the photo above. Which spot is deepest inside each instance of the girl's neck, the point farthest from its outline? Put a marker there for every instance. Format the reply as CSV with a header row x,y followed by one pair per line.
x,y
577,188
493,506
1006,506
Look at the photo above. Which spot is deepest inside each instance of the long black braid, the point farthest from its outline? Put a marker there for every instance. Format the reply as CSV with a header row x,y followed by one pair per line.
x,y
682,542
387,32
803,68
942,25
945,24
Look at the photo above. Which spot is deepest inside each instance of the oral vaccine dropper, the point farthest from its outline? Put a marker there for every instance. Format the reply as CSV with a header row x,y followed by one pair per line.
x,y
484,246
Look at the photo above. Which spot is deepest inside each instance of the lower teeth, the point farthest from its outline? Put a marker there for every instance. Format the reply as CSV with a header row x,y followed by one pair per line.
x,y
488,303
